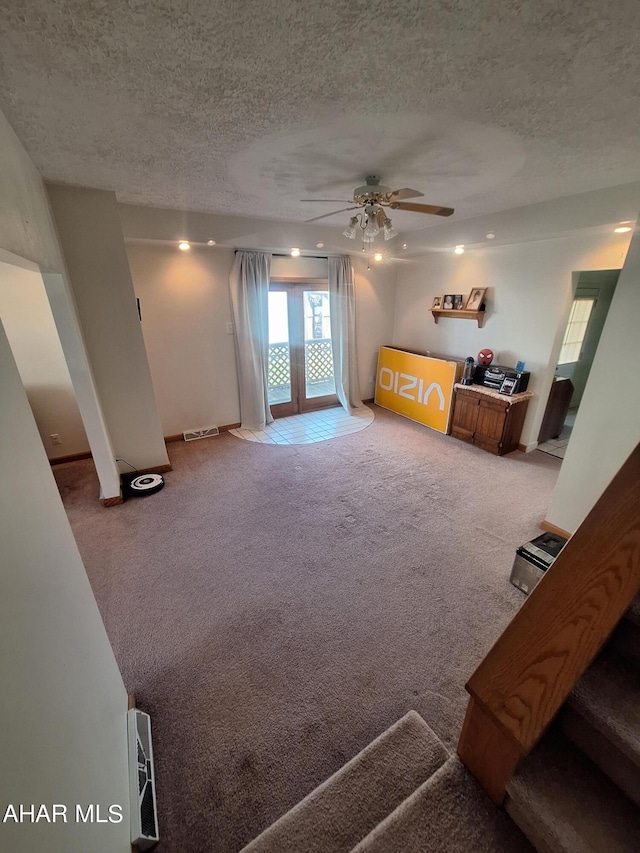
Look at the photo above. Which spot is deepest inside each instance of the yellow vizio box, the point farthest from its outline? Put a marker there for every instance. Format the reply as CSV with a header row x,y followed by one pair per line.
x,y
417,386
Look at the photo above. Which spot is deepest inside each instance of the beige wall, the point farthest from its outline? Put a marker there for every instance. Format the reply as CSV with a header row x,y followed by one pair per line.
x,y
26,316
91,236
63,712
528,299
607,427
185,310
184,298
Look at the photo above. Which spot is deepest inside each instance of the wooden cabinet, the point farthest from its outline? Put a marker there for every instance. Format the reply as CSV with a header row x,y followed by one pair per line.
x,y
489,420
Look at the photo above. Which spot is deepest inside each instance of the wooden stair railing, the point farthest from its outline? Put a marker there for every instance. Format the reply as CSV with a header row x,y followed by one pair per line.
x,y
521,684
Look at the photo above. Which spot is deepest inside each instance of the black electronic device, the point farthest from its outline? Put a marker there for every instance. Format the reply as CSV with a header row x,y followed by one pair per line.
x,y
494,375
534,558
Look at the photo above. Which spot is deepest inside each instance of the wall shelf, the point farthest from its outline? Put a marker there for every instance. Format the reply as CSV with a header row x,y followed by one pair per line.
x,y
460,314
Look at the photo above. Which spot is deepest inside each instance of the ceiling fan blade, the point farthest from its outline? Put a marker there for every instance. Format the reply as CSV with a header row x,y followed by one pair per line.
x,y
333,213
337,200
405,192
422,208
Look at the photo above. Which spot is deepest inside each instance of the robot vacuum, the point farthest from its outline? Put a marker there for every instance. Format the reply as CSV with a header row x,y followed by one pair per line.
x,y
141,485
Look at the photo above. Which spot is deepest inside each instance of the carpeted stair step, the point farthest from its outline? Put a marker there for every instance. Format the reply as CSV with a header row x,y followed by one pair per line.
x,y
345,808
449,812
563,802
602,718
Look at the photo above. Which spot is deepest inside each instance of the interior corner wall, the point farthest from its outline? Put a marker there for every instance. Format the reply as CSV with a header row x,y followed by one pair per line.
x,y
375,313
529,292
26,315
607,427
91,237
185,305
28,234
63,710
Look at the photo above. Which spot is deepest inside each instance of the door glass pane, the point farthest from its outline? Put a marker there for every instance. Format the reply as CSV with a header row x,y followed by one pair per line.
x,y
318,360
279,349
576,331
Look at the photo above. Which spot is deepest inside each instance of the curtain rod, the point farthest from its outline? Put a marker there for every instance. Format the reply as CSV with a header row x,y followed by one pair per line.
x,y
288,255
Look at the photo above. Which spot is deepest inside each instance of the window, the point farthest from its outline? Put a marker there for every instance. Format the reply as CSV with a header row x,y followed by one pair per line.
x,y
576,330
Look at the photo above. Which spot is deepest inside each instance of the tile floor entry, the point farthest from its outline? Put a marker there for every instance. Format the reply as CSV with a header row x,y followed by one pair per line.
x,y
309,428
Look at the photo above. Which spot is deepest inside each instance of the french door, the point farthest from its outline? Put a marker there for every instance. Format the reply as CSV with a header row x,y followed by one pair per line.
x,y
300,357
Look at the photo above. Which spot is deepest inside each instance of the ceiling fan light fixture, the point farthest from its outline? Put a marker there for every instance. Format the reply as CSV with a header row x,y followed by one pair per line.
x,y
371,229
350,230
389,231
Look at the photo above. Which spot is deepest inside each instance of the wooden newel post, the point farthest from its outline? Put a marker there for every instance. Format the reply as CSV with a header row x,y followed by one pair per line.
x,y
487,751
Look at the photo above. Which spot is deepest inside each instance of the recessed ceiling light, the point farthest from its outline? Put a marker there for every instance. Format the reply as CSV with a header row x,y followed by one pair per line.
x,y
491,236
319,245
184,245
404,245
622,229
211,242
459,250
377,257
295,253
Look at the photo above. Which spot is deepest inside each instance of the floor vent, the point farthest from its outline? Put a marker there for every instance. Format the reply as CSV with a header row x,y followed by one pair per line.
x,y
206,432
142,781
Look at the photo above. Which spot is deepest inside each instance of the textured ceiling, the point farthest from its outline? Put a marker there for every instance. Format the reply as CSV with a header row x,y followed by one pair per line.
x,y
244,106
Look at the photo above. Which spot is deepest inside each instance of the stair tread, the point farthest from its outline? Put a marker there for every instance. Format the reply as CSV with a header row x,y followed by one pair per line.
x,y
608,697
449,812
344,808
564,803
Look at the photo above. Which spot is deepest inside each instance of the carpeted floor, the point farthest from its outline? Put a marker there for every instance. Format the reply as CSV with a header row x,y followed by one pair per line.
x,y
277,608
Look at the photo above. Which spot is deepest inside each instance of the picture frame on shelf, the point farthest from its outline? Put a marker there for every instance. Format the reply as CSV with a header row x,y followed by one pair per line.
x,y
458,302
447,304
476,299
437,303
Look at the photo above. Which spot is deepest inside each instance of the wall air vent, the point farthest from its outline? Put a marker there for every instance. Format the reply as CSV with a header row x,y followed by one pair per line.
x,y
142,781
205,432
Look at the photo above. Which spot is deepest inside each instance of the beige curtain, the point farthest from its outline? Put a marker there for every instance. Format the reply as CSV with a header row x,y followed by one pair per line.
x,y
249,287
342,302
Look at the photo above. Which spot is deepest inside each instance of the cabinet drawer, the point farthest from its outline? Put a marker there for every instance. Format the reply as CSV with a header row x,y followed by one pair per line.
x,y
495,405
468,395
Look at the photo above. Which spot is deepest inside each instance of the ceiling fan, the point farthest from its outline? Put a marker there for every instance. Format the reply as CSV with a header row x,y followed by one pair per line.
x,y
372,198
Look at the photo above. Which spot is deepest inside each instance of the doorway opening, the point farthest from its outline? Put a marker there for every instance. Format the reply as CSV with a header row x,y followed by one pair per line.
x,y
591,303
301,377
52,362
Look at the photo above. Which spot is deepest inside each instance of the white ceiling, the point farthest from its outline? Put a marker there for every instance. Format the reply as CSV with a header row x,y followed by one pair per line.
x,y
244,107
